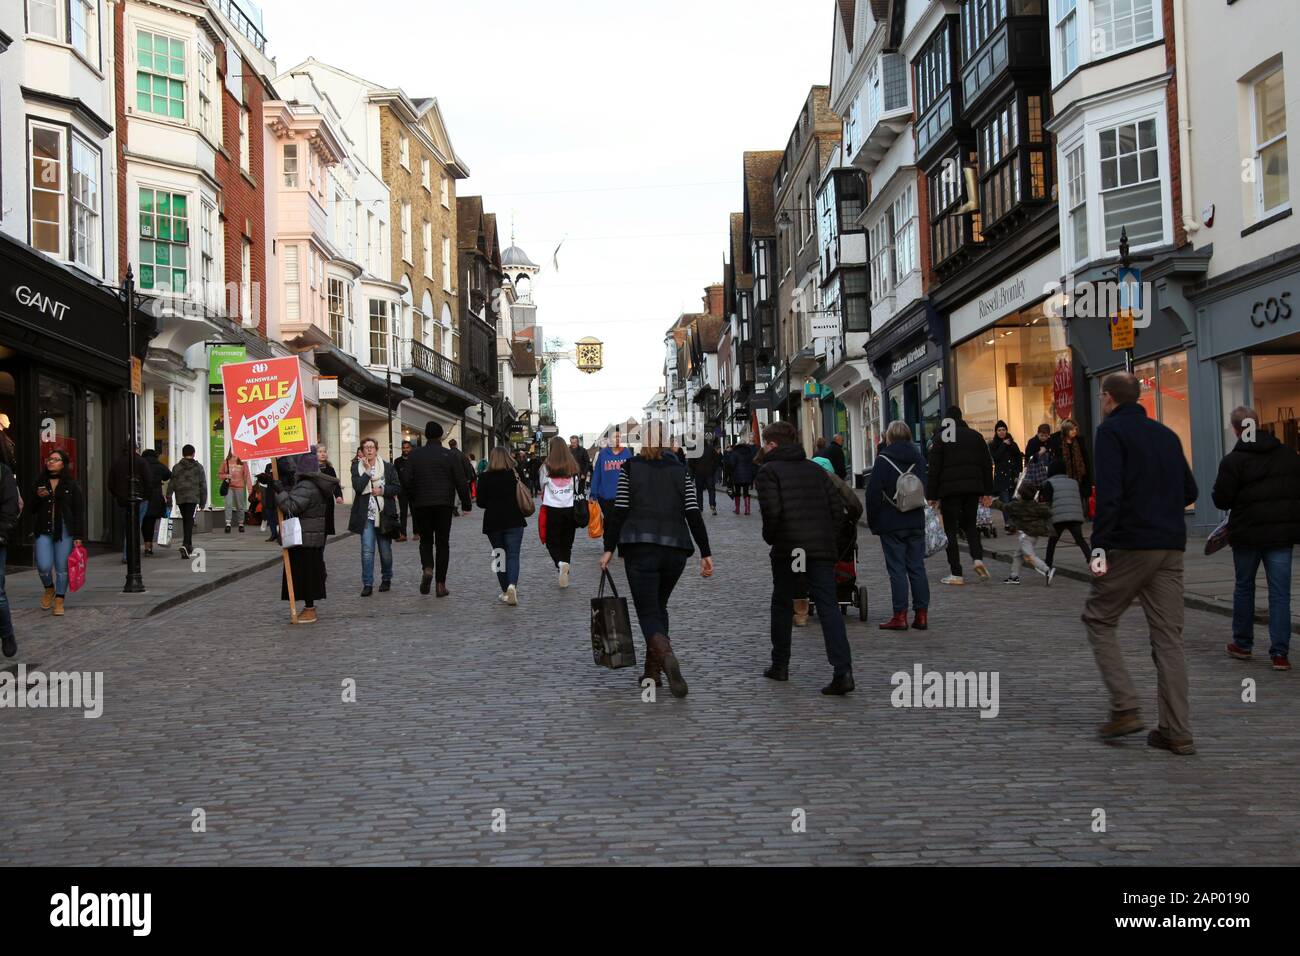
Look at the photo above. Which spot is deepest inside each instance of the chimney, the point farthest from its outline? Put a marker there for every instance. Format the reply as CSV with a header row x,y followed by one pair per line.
x,y
713,300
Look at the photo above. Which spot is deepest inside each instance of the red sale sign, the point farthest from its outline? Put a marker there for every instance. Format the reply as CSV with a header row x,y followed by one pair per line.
x,y
265,411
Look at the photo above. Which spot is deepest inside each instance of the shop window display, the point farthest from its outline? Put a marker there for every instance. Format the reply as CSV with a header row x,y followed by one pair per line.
x,y
1275,382
1009,372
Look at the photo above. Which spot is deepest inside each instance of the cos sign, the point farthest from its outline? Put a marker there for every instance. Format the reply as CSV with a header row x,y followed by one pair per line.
x,y
1271,310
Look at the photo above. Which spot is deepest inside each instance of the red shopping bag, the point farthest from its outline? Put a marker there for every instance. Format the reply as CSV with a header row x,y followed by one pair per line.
x,y
541,525
77,568
1092,505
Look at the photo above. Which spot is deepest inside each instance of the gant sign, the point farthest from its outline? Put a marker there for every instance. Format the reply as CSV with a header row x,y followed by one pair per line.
x,y
41,303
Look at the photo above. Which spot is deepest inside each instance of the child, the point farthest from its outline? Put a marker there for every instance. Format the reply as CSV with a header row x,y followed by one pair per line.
x,y
1034,520
1063,493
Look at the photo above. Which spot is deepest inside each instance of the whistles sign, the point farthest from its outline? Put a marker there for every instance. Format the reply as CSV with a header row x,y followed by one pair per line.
x,y
265,411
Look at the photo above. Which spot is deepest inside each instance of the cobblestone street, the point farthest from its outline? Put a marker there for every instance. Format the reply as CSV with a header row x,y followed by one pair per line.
x,y
465,707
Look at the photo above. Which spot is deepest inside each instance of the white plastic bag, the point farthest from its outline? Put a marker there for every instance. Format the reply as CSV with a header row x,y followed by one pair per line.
x,y
935,538
164,533
291,533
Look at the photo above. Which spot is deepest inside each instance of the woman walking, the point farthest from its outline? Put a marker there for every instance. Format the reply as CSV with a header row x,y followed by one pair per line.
x,y
304,493
60,526
901,533
742,473
503,522
323,456
1066,447
557,476
376,488
654,518
236,472
1007,462
155,500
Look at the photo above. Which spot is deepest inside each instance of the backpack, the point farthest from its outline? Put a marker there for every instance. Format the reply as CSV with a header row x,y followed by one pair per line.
x,y
909,493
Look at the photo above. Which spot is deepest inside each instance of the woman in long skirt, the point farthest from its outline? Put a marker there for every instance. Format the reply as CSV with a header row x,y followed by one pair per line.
x,y
307,499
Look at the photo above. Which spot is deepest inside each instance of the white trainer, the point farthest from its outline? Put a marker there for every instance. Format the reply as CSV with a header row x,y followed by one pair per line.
x,y
512,596
982,571
952,579
564,574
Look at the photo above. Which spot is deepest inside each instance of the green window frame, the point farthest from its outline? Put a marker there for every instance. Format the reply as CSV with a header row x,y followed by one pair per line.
x,y
159,75
164,241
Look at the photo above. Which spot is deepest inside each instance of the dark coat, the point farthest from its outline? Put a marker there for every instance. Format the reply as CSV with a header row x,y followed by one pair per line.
x,y
119,478
361,496
498,501
307,501
1034,444
800,505
436,476
59,513
882,516
9,510
583,459
1056,451
1143,484
959,467
742,464
159,474
326,469
189,483
835,455
1259,482
705,463
1007,463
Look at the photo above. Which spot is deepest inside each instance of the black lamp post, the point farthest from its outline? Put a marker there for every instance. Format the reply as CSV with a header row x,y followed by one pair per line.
x,y
134,578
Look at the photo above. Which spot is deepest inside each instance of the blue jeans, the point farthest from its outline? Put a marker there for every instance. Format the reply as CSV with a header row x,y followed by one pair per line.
x,y
52,562
509,541
905,562
6,622
369,537
1277,571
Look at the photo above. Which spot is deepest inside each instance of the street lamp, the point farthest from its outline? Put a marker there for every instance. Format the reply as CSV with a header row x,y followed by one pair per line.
x,y
134,578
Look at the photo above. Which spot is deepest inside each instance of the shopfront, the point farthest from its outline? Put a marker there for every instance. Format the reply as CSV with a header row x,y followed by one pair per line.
x,y
908,357
64,379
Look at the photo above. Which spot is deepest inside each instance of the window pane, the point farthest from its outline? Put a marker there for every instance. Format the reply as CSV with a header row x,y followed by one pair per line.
x,y
1107,142
1275,174
1270,107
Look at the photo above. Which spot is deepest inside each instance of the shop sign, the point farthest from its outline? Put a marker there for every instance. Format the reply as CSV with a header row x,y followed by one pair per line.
x,y
825,325
265,408
219,355
815,390
1122,337
1271,310
137,376
40,302
1063,388
1028,285
903,361
327,387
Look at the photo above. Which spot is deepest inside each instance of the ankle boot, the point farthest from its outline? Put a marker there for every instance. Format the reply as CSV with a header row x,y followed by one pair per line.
x,y
800,612
654,665
896,623
922,620
58,606
47,599
663,649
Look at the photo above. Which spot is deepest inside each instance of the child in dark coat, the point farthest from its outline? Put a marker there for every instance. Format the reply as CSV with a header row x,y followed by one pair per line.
x,y
1034,519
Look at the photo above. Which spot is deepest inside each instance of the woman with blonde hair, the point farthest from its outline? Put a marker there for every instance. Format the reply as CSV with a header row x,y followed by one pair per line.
x,y
234,471
558,479
901,533
503,521
655,515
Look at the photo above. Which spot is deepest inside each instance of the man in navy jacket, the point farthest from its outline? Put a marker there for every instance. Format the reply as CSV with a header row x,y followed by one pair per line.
x,y
1144,485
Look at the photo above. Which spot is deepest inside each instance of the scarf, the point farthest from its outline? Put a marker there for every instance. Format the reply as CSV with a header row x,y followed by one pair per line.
x,y
1074,466
376,474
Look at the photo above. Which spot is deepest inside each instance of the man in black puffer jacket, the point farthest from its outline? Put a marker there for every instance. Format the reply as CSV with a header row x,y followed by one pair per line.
x,y
961,473
802,514
1259,483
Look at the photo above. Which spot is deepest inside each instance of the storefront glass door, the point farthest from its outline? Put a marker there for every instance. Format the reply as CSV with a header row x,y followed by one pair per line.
x,y
1275,381
97,445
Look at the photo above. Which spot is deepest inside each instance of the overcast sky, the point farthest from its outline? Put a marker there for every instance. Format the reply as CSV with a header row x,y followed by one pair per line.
x,y
619,124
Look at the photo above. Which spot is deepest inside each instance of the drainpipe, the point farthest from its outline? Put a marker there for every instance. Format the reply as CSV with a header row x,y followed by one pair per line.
x,y
1190,222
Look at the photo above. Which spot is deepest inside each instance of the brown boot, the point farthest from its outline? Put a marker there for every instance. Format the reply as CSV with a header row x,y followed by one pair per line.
x,y
896,623
654,665
307,616
1121,722
47,599
58,607
800,612
660,646
922,619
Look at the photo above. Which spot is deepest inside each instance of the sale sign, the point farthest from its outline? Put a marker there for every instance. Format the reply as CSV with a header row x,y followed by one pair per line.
x,y
265,411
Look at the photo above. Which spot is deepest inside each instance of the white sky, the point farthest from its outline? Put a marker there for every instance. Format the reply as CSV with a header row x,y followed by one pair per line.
x,y
583,99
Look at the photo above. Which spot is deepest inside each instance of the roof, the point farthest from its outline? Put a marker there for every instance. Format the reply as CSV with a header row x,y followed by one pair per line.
x,y
709,329
493,238
514,256
469,221
525,360
760,170
846,17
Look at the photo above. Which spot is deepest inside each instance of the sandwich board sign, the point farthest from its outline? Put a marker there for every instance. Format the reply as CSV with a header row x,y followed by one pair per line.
x,y
265,411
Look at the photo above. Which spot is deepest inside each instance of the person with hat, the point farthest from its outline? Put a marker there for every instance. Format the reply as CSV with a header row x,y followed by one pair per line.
x,y
305,493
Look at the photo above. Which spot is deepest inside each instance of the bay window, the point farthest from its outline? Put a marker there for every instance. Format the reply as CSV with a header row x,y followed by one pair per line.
x,y
378,332
64,197
1130,183
903,214
1013,162
43,18
291,166
48,187
882,260
1268,135
85,201
84,28
1067,36
164,240
856,301
292,285
1120,24
1077,203
950,229
207,260
160,75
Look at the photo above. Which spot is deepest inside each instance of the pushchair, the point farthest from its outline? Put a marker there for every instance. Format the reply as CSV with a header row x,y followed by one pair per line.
x,y
848,593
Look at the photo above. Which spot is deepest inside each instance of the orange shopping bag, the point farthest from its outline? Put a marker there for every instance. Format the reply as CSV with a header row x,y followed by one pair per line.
x,y
596,521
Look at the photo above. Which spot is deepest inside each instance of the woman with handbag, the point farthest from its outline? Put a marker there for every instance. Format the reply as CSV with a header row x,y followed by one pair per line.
x,y
155,500
305,494
235,484
376,488
60,526
503,499
558,477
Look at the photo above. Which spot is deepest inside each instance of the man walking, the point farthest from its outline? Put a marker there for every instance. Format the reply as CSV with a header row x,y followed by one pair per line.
x,y
703,468
403,504
961,473
435,478
604,479
1259,484
835,455
1143,486
584,463
802,514
190,487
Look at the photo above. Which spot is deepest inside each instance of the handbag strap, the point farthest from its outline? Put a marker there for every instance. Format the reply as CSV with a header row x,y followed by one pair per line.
x,y
606,576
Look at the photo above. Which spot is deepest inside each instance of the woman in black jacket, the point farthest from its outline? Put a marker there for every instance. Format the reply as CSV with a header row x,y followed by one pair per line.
x,y
304,493
155,502
376,488
323,456
743,470
1007,463
503,522
655,515
60,526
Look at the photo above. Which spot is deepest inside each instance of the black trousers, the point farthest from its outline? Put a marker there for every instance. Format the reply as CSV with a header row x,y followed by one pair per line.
x,y
433,522
401,512
960,511
560,530
1075,528
652,573
701,484
819,584
187,524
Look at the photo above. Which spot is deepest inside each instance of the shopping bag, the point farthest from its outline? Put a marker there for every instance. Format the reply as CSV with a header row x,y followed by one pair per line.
x,y
541,526
581,513
611,628
164,533
935,538
1218,539
1092,511
984,516
595,521
291,533
77,559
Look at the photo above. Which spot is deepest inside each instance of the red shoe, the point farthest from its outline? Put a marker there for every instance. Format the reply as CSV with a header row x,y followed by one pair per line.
x,y
896,623
1235,650
1281,664
922,620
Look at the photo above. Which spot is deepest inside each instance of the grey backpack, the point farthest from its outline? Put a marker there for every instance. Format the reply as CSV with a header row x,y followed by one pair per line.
x,y
909,493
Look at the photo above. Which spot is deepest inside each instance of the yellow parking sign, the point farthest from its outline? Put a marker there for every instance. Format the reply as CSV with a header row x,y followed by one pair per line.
x,y
1121,331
